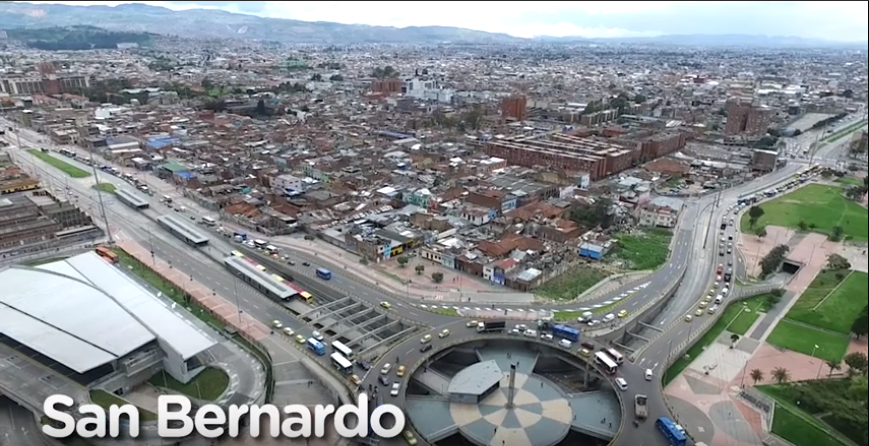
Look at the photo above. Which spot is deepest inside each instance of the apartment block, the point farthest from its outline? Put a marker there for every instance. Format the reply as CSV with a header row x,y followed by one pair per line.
x,y
744,118
514,107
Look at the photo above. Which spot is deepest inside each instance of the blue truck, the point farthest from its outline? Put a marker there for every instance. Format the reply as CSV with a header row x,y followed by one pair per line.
x,y
563,331
671,431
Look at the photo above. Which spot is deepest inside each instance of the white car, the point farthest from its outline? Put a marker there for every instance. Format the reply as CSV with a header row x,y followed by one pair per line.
x,y
396,387
621,383
277,324
649,374
317,335
385,369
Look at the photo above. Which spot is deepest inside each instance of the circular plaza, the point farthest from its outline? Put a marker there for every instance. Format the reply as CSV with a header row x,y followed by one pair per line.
x,y
502,392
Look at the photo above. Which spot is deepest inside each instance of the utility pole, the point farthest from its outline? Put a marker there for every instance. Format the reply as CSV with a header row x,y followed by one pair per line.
x,y
100,198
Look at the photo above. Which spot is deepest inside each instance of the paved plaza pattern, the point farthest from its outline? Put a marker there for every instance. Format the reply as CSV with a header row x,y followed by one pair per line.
x,y
540,415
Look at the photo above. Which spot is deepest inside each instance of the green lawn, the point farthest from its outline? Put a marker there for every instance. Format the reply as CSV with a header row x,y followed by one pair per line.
x,y
814,204
803,339
798,423
444,311
643,251
743,321
105,187
105,400
832,304
209,385
800,428
64,167
566,316
571,284
733,320
850,181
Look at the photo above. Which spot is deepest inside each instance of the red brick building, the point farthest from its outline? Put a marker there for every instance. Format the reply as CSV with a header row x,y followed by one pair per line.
x,y
514,107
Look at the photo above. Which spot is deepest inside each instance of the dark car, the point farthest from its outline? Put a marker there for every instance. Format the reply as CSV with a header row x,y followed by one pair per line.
x,y
306,263
363,365
384,381
588,345
425,348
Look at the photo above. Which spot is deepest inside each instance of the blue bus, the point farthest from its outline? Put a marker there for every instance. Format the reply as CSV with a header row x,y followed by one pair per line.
x,y
672,432
324,273
316,347
563,331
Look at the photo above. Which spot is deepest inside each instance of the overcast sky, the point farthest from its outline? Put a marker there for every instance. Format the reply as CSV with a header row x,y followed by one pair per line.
x,y
831,20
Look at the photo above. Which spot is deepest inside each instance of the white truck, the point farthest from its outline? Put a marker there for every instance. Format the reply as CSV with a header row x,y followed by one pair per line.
x,y
640,409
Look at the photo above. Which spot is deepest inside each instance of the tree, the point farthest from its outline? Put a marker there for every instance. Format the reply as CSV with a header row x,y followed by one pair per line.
x,y
402,261
754,214
848,93
317,77
855,193
756,375
860,327
437,277
781,375
734,338
760,232
856,362
803,226
206,84
836,233
833,365
420,269
835,261
639,99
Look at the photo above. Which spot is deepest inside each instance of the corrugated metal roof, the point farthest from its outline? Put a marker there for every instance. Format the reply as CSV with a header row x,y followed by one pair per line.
x,y
61,310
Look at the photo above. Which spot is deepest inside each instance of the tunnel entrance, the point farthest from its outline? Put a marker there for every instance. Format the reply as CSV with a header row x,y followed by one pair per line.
x,y
791,267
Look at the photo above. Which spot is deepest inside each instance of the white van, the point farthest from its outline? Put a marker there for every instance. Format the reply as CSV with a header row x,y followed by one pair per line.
x,y
609,317
565,343
718,299
724,291
585,317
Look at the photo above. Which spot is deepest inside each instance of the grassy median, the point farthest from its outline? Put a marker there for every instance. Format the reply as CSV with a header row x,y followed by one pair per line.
x,y
58,164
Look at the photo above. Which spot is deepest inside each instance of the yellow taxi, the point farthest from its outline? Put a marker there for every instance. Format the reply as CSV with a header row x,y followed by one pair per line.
x,y
585,353
408,436
444,333
355,380
688,318
425,339
622,314
300,339
703,304
698,313
472,324
386,305
399,372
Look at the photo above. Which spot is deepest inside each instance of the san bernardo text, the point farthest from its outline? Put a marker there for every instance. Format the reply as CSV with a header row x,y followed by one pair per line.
x,y
174,419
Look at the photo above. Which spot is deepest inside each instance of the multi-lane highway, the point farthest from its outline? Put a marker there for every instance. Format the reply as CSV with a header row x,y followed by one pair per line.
x,y
694,254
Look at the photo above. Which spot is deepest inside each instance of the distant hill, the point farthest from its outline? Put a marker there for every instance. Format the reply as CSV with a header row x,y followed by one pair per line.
x,y
212,23
75,38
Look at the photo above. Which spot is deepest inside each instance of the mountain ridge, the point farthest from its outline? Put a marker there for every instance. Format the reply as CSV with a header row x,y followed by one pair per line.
x,y
215,23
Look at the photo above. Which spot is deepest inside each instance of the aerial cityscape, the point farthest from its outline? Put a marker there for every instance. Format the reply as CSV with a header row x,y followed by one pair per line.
x,y
570,224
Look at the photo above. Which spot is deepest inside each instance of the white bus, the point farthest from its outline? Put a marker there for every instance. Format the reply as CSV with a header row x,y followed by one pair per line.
x,y
261,244
343,349
604,362
208,221
341,363
615,356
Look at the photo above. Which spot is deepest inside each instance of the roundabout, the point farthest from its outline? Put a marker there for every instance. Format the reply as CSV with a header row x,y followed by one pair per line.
x,y
499,390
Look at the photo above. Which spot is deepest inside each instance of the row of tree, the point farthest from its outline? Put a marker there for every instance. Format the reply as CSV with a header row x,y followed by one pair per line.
x,y
76,38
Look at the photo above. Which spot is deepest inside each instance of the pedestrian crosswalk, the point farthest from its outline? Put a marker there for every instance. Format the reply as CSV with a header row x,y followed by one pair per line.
x,y
517,310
